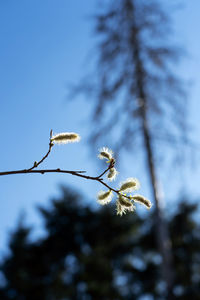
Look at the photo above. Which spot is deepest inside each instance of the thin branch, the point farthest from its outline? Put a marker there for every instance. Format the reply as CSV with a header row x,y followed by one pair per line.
x,y
36,164
28,171
58,170
111,165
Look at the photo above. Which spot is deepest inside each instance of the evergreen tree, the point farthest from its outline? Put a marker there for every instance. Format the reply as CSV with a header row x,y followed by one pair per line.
x,y
87,254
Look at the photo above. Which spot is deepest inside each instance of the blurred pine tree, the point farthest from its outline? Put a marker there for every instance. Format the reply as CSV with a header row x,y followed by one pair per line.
x,y
89,254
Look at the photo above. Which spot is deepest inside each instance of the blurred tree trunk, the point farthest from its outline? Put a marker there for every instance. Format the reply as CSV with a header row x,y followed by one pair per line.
x,y
162,234
137,93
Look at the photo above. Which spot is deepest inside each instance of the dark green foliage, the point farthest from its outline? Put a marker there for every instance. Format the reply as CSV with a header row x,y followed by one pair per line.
x,y
186,248
88,254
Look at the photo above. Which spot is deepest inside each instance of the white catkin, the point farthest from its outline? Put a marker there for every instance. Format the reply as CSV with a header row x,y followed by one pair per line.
x,y
112,174
142,200
124,205
65,137
104,197
129,185
105,153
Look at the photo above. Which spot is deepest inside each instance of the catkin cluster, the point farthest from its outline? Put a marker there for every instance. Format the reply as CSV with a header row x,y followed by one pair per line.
x,y
125,200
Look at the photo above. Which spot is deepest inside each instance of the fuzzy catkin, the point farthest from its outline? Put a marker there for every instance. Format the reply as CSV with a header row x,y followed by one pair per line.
x,y
105,153
130,185
65,137
142,200
104,197
124,205
112,174
124,202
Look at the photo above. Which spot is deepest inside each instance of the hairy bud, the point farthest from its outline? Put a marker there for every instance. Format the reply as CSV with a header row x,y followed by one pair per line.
x,y
65,137
129,185
104,197
124,205
142,200
105,153
112,174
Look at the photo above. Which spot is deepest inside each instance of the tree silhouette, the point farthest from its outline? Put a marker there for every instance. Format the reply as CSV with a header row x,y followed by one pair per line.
x,y
93,254
136,92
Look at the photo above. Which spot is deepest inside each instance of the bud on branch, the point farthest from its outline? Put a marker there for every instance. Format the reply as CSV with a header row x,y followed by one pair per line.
x,y
124,202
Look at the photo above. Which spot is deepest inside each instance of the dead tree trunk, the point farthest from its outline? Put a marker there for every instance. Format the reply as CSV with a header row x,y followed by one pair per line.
x,y
162,234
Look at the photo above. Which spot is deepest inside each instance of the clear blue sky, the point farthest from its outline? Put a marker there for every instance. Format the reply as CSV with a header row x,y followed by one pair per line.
x,y
44,45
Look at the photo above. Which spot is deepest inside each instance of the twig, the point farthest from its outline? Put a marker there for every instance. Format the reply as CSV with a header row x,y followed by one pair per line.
x,y
75,173
111,165
58,170
36,164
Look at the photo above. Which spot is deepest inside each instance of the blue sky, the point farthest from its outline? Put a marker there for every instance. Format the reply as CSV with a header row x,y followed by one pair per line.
x,y
44,45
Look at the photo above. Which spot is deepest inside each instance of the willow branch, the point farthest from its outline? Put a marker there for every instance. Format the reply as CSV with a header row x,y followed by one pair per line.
x,y
111,165
36,164
58,170
32,170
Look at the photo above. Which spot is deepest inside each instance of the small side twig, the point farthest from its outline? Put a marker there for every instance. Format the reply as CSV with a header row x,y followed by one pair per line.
x,y
36,164
111,165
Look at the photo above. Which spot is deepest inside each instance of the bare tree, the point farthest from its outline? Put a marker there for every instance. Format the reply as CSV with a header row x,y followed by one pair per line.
x,y
137,92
